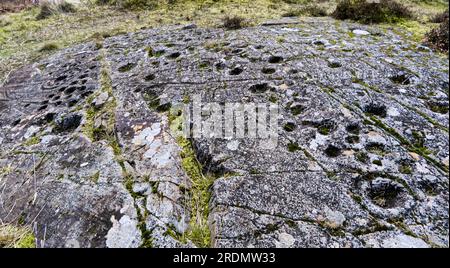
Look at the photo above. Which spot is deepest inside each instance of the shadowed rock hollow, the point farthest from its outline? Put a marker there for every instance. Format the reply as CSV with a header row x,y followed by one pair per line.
x,y
88,158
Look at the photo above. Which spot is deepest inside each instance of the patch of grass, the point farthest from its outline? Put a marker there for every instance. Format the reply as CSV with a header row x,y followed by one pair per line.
x,y
289,127
411,29
233,23
405,169
293,147
200,193
49,47
362,157
440,17
16,237
132,4
105,114
48,9
372,11
309,10
95,177
32,141
273,99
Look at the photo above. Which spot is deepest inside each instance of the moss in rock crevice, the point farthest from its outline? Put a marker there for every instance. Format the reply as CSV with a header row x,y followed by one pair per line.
x,y
200,195
200,192
105,114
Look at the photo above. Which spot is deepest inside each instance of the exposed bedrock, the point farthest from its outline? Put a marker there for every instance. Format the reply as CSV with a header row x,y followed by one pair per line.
x,y
90,156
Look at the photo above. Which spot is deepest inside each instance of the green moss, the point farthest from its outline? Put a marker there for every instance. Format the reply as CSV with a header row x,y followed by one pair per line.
x,y
405,169
203,65
293,147
147,239
150,52
289,127
376,148
32,141
357,198
332,175
291,223
441,109
186,99
198,232
16,237
106,112
27,241
377,162
377,122
403,227
95,177
362,157
273,99
296,109
324,130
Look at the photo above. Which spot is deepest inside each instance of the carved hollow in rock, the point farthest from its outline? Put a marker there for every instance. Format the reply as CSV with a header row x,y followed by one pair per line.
x,y
376,109
386,193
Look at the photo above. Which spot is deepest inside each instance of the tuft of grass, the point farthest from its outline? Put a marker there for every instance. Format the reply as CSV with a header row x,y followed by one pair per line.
x,y
132,4
233,23
48,9
16,237
49,47
107,112
200,193
32,141
438,37
293,147
364,11
440,17
309,10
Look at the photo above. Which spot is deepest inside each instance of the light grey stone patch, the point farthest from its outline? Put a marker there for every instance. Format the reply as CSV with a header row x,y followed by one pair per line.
x,y
285,240
393,240
123,234
360,32
335,219
147,135
141,187
30,132
233,145
101,99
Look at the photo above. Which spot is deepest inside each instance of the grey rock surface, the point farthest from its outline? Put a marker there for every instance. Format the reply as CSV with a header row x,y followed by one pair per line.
x,y
89,165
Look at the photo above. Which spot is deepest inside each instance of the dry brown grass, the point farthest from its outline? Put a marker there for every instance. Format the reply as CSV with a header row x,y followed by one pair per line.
x,y
15,5
438,37
16,237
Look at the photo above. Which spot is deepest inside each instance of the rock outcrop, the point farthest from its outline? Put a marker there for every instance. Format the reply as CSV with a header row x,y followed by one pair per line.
x,y
88,157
